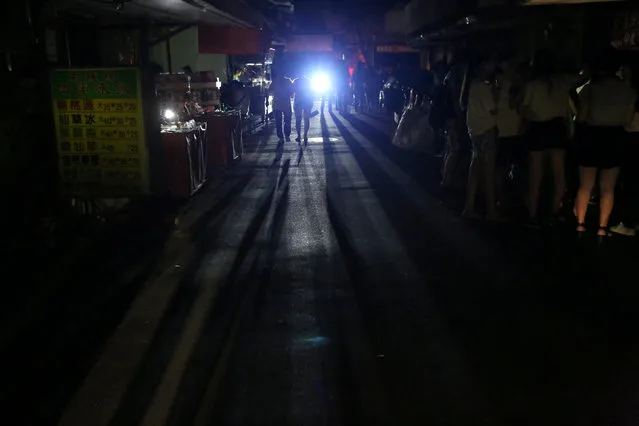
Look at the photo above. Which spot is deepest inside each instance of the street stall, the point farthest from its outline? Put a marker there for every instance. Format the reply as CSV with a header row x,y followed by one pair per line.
x,y
101,134
252,72
191,109
124,128
183,134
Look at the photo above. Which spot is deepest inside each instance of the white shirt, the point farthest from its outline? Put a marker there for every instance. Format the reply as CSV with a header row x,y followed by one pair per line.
x,y
544,101
508,119
607,102
481,109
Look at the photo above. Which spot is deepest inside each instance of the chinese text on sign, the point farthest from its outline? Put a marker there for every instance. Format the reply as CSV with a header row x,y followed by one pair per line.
x,y
100,131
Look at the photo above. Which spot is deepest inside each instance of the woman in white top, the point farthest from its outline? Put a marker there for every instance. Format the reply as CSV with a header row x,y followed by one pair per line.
x,y
545,109
629,194
482,128
607,106
511,153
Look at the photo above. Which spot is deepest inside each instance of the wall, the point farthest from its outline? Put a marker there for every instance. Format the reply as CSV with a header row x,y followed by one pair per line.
x,y
185,51
421,13
395,21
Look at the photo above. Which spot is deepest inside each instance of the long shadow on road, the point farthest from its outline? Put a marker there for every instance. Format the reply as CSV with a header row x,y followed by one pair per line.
x,y
207,351
511,333
46,365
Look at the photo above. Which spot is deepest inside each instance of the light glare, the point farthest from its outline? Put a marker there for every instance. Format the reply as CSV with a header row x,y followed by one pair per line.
x,y
321,83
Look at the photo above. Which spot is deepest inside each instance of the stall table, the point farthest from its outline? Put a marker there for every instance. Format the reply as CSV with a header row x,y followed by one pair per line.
x,y
224,140
185,159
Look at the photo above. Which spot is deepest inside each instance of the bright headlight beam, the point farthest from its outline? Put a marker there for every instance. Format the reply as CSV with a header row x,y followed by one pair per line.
x,y
321,83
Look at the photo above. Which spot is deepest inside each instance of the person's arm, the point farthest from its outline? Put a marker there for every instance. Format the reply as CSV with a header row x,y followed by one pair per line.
x,y
630,114
488,98
574,81
526,101
584,104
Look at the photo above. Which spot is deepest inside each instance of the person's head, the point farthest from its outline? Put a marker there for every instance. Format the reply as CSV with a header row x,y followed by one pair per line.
x,y
544,63
607,63
507,63
486,67
440,69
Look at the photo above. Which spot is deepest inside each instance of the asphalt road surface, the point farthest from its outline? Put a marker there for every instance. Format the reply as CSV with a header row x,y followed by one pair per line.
x,y
331,285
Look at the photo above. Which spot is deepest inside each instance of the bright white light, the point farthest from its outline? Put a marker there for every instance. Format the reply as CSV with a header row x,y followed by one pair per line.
x,y
168,114
320,83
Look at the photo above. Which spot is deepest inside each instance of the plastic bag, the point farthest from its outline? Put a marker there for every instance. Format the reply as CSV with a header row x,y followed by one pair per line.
x,y
413,132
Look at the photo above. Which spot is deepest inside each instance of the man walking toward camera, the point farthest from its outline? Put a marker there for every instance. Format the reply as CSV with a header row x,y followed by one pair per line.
x,y
282,91
303,106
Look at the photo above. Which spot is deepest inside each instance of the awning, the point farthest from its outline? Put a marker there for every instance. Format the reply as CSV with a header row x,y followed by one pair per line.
x,y
310,43
549,2
168,12
232,40
486,20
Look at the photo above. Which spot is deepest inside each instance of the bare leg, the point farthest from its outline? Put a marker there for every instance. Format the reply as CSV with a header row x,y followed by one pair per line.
x,y
500,181
488,172
452,154
472,186
298,122
558,164
535,175
307,122
607,183
587,176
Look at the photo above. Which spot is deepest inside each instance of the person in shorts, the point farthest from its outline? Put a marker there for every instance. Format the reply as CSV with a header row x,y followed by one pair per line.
x,y
607,107
482,128
547,116
511,152
303,105
629,191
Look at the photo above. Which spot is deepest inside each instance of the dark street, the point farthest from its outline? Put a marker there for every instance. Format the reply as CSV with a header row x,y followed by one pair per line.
x,y
334,285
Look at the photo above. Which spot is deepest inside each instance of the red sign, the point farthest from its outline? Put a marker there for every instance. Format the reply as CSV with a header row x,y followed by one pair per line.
x,y
230,40
310,43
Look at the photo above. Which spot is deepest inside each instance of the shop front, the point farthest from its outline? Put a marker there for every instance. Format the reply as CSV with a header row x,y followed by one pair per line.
x,y
150,118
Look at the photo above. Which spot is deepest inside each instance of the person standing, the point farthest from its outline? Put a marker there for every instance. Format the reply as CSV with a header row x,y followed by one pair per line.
x,y
629,193
455,86
282,91
545,110
511,153
607,107
359,85
303,105
482,128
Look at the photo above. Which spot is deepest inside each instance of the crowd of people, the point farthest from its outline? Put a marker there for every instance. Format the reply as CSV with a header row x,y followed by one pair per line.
x,y
520,120
343,91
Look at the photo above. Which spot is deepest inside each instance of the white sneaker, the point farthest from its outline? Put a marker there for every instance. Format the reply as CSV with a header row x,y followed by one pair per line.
x,y
622,229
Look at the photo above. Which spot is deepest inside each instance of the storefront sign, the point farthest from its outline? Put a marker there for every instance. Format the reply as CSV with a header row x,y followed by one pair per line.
x,y
100,131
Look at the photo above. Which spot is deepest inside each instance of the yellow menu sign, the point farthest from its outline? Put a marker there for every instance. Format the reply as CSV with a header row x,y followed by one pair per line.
x,y
100,131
